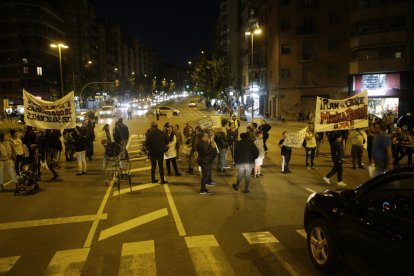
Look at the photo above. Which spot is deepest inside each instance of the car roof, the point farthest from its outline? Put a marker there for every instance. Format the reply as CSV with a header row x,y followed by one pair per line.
x,y
402,170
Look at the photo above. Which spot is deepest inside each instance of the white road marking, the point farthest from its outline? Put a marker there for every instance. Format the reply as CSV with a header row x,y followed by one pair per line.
x,y
303,233
140,169
174,211
134,151
207,256
135,188
138,159
310,190
68,262
130,139
134,146
7,263
260,237
52,221
127,225
95,223
8,183
138,258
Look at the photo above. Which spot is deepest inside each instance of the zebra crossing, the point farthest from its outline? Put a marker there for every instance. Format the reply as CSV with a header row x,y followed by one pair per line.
x,y
139,258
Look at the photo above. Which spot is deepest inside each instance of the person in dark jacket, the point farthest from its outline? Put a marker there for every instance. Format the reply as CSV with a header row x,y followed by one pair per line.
x,y
80,150
265,128
47,151
90,137
206,153
336,153
121,132
286,153
156,144
245,153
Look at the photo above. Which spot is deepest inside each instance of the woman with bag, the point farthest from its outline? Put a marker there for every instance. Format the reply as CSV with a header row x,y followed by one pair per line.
x,y
170,155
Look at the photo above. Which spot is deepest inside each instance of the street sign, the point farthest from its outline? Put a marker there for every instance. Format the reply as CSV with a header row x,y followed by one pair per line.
x,y
205,122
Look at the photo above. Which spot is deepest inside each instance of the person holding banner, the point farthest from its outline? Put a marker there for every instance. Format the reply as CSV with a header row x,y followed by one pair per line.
x,y
310,147
336,153
286,153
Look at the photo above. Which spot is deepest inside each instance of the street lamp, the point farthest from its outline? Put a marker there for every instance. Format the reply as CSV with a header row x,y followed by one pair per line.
x,y
255,30
60,46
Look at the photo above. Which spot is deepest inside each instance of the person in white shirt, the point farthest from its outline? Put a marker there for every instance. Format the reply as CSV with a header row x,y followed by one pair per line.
x,y
259,160
18,149
6,161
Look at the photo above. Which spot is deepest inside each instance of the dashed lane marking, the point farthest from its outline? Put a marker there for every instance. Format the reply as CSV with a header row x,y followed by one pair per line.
x,y
207,256
135,188
310,190
303,233
68,262
174,211
138,258
7,263
52,221
141,169
127,225
260,237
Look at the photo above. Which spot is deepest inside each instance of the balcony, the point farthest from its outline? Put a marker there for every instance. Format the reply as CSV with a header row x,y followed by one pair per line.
x,y
380,38
377,65
307,30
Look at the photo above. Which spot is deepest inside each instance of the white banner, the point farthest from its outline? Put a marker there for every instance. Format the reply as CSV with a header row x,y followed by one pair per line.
x,y
295,139
350,113
206,122
49,115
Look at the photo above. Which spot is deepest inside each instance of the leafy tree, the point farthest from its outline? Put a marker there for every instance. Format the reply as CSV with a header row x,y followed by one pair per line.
x,y
212,76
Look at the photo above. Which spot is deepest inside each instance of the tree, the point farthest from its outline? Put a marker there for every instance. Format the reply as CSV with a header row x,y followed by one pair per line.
x,y
212,76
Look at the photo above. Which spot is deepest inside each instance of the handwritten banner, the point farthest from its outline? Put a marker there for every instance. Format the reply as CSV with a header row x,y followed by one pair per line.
x,y
49,115
350,113
295,139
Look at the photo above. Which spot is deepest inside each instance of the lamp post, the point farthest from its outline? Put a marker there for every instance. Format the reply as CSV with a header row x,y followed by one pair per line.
x,y
255,30
60,46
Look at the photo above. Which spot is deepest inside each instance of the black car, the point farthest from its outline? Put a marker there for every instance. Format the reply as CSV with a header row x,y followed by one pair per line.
x,y
369,230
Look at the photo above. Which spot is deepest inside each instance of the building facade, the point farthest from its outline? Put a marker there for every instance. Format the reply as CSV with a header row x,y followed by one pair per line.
x,y
382,55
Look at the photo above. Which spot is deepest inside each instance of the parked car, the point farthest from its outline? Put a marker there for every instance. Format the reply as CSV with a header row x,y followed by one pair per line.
x,y
107,111
369,230
192,104
406,122
165,109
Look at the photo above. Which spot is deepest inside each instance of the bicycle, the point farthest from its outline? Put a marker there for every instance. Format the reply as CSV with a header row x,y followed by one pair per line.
x,y
117,167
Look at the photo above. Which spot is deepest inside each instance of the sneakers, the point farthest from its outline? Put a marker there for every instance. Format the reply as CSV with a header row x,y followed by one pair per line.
x,y
205,192
211,184
163,182
235,187
154,181
246,191
327,181
79,173
341,184
308,168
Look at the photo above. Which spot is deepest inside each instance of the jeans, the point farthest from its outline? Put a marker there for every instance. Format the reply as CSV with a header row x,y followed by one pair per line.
x,y
222,160
265,137
380,167
244,170
10,170
160,160
310,156
206,176
174,163
356,152
81,158
337,169
285,162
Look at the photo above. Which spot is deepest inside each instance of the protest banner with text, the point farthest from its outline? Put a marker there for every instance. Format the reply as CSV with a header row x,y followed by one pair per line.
x,y
295,139
350,113
49,115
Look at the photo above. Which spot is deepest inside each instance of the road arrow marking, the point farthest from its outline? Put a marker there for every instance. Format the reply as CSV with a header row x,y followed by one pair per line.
x,y
7,263
125,226
68,262
260,237
135,188
53,221
138,258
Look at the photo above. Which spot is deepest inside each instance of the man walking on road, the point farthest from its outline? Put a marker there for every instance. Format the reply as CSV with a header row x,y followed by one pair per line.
x,y
156,144
336,152
245,154
381,149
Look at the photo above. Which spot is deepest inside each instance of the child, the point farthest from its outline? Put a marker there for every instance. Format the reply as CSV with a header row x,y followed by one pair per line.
x,y
336,152
286,153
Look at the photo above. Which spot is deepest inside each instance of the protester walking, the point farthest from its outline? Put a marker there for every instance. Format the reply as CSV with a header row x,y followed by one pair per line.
x,y
89,130
18,150
170,155
6,161
80,150
245,154
310,147
47,151
232,135
358,141
286,153
381,149
336,153
259,160
265,128
207,152
120,132
220,138
69,144
156,144
194,154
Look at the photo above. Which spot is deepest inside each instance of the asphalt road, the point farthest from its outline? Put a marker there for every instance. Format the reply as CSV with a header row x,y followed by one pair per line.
x,y
79,226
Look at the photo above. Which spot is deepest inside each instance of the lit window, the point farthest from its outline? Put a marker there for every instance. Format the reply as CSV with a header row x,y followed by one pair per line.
x,y
25,69
39,71
24,60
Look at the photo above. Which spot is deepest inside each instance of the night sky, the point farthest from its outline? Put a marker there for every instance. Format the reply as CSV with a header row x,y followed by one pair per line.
x,y
178,29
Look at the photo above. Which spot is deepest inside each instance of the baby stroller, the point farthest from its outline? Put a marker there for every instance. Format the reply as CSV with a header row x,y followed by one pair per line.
x,y
27,181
